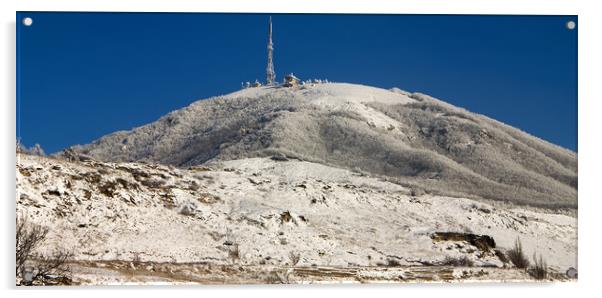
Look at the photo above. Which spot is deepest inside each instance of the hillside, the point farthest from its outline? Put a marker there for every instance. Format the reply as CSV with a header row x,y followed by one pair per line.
x,y
238,220
413,140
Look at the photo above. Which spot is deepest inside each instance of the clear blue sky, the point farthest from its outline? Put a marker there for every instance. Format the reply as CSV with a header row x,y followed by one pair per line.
x,y
83,75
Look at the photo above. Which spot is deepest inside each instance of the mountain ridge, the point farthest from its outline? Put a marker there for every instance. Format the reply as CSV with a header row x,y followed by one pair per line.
x,y
408,138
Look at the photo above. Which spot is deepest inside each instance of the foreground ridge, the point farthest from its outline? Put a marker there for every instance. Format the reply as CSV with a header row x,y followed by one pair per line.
x,y
276,214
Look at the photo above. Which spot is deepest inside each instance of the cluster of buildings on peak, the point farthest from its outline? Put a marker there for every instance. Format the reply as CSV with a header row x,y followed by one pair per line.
x,y
290,80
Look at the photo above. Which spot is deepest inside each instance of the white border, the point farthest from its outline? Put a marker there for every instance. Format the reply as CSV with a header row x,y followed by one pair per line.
x,y
590,128
314,6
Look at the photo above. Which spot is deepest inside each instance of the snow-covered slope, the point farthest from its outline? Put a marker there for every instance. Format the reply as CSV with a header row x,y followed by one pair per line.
x,y
410,139
270,210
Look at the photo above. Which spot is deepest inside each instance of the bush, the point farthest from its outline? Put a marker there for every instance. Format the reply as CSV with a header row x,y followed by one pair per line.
x,y
392,263
35,150
53,269
40,269
463,261
276,277
539,270
517,256
234,253
29,237
294,258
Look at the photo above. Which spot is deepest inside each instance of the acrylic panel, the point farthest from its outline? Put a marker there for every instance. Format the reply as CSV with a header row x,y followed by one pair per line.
x,y
205,148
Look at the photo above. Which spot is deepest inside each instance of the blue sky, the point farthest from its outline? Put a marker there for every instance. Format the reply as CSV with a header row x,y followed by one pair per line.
x,y
83,75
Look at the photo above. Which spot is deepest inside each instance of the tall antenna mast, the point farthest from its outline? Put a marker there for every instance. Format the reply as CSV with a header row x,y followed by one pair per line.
x,y
270,74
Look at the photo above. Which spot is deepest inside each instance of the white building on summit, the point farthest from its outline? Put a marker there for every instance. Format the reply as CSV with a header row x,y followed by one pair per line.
x,y
290,80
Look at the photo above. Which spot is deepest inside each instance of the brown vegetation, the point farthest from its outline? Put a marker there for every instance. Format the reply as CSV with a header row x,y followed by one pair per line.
x,y
539,270
37,269
234,253
294,258
462,261
517,256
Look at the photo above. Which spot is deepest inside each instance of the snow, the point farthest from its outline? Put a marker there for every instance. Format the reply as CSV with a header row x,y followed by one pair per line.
x,y
337,217
329,94
414,139
362,177
336,97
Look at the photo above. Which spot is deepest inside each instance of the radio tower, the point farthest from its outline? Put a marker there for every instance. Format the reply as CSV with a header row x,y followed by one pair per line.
x,y
270,74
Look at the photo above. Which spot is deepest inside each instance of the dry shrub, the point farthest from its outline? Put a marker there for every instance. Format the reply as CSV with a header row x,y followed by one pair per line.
x,y
234,253
276,277
393,263
29,237
517,256
53,269
294,258
462,261
539,270
38,269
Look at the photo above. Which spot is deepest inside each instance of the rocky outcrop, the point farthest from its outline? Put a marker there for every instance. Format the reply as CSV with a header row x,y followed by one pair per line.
x,y
483,242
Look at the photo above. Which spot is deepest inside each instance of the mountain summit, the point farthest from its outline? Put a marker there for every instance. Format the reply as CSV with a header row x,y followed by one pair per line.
x,y
410,139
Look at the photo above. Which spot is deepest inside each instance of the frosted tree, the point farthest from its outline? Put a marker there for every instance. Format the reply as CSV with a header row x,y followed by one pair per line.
x,y
37,150
20,147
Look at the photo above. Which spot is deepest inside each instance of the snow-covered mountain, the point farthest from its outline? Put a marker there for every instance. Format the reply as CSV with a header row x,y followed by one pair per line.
x,y
321,182
410,139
